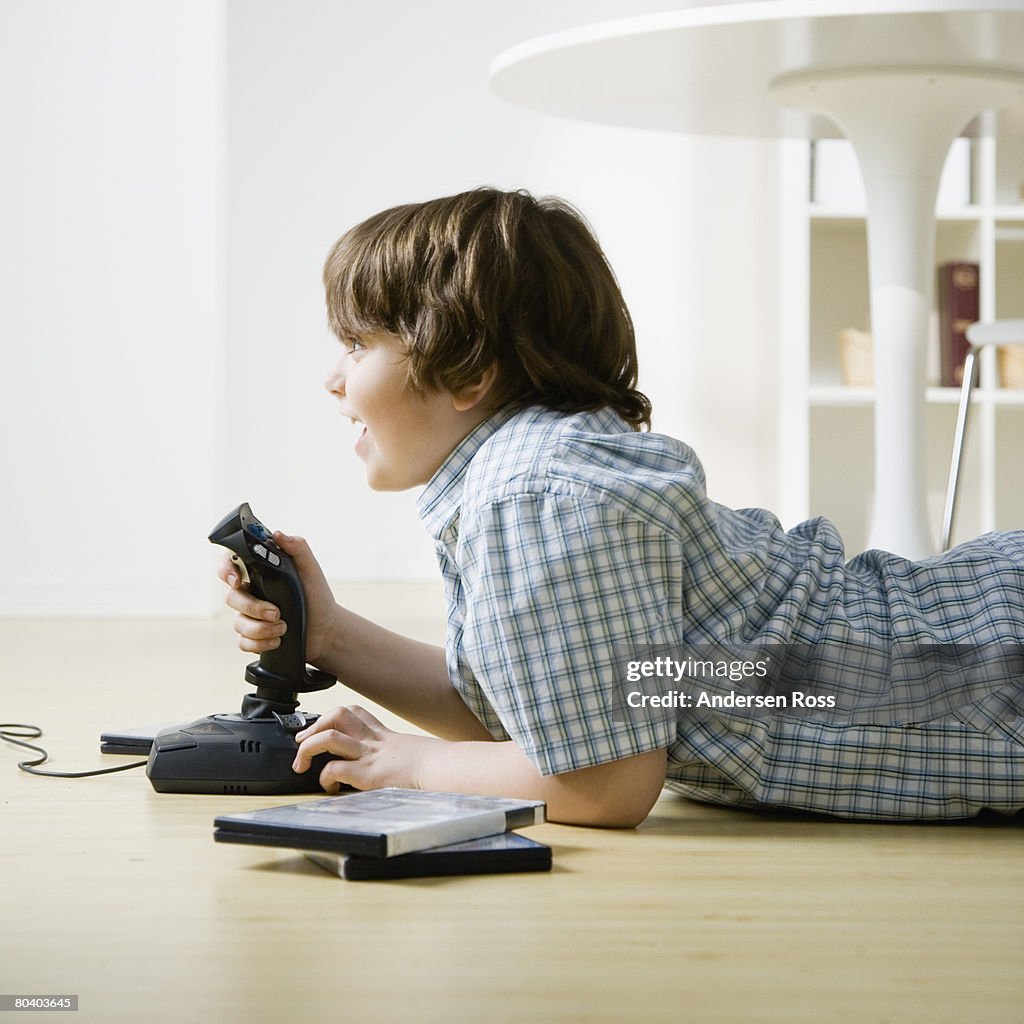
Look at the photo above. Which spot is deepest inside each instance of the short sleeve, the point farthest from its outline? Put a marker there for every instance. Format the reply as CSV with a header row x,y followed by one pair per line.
x,y
555,586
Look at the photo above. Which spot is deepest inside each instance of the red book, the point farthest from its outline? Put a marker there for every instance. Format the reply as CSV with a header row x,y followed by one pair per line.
x,y
958,309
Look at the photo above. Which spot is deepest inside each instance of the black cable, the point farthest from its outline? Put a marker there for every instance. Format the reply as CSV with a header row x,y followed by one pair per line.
x,y
33,732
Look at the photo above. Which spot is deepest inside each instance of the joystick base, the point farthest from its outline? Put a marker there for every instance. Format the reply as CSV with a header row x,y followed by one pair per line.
x,y
252,751
231,754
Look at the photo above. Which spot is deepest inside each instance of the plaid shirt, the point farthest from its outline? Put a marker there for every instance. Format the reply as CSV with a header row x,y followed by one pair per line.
x,y
563,539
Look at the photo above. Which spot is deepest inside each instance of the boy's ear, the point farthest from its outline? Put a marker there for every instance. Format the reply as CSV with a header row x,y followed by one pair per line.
x,y
473,394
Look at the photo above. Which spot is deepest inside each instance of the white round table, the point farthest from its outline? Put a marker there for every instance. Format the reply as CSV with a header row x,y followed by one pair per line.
x,y
900,78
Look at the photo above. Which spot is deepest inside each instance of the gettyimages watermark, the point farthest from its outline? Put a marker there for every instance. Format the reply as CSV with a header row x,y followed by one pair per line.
x,y
829,681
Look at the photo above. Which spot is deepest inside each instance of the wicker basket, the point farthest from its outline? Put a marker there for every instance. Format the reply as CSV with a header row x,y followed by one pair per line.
x,y
1011,366
857,358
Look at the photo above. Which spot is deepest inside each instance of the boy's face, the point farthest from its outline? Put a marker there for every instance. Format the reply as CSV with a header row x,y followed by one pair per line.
x,y
405,436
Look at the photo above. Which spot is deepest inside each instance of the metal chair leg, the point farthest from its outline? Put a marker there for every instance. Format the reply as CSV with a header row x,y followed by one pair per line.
x,y
959,435
995,332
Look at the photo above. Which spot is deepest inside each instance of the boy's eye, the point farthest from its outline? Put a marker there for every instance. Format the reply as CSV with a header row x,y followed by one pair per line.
x,y
354,345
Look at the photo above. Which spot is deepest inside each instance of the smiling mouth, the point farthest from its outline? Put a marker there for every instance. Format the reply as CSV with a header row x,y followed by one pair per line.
x,y
360,431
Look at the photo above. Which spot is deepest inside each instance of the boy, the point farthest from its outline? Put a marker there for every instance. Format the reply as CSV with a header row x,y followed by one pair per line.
x,y
490,358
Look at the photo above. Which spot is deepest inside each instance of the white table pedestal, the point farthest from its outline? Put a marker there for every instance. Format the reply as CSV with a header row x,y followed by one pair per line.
x,y
900,78
901,122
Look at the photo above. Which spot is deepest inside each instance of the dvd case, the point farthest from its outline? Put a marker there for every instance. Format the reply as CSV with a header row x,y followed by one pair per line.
x,y
501,854
379,822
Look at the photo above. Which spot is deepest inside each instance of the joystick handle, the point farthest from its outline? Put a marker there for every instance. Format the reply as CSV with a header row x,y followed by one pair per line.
x,y
270,575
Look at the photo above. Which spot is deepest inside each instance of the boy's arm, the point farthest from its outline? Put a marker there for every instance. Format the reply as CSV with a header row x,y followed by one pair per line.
x,y
408,677
405,676
618,794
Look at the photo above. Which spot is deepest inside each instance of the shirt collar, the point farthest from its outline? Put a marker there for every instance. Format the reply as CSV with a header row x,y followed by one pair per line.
x,y
438,504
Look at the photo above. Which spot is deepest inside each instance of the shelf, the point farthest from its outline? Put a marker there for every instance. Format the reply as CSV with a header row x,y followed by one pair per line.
x,y
830,466
973,213
838,396
820,211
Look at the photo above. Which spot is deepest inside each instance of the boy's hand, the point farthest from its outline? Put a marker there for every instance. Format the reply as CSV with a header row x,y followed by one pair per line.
x,y
617,794
259,625
371,756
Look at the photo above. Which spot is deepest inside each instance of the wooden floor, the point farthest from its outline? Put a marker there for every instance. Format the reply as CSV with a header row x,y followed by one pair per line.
x,y
119,895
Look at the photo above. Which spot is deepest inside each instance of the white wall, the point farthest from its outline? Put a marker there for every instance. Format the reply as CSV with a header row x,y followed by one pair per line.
x,y
333,117
332,110
111,239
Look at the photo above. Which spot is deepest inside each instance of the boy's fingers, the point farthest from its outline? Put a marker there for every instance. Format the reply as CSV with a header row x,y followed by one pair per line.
x,y
328,742
244,603
254,629
322,723
227,572
256,646
345,719
363,716
297,547
301,553
336,774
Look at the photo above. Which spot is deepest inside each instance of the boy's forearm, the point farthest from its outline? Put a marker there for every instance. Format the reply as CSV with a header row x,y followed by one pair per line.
x,y
406,676
616,795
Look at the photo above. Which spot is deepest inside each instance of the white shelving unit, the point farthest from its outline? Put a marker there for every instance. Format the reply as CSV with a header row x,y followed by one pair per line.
x,y
828,428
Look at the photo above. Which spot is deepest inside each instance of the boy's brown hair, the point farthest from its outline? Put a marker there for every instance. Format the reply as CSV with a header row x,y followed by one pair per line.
x,y
492,278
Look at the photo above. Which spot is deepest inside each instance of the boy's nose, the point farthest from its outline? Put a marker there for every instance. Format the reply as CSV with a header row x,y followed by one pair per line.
x,y
335,382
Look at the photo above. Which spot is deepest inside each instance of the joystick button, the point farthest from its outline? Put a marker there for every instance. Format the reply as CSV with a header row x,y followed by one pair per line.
x,y
294,722
258,530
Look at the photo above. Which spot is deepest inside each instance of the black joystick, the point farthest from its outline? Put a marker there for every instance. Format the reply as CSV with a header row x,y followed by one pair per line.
x,y
252,751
